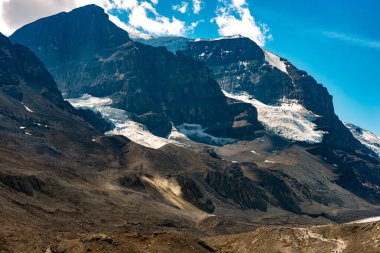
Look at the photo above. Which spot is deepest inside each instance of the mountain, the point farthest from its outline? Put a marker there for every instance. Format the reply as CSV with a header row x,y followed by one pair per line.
x,y
60,174
157,88
162,95
239,65
214,159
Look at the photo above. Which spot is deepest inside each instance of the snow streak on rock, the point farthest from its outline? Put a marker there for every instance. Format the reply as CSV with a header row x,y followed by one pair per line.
x,y
275,61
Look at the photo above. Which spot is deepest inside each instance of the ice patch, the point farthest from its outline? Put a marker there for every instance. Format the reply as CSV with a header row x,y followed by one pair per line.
x,y
275,61
290,120
197,132
27,108
370,140
244,63
133,130
39,124
254,152
177,136
269,161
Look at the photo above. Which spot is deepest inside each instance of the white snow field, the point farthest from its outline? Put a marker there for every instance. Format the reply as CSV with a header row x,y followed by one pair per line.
x,y
289,120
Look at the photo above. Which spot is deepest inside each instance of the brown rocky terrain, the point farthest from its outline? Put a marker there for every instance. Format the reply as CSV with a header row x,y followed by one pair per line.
x,y
328,238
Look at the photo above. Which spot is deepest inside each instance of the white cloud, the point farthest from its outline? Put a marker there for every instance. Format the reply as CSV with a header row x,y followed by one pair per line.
x,y
193,25
4,29
197,6
181,7
133,33
144,20
355,40
16,13
235,18
143,17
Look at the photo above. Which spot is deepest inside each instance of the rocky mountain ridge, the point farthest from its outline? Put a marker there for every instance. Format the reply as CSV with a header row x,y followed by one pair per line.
x,y
239,65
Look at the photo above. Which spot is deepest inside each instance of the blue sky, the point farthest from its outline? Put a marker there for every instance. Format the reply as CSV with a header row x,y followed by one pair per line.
x,y
337,42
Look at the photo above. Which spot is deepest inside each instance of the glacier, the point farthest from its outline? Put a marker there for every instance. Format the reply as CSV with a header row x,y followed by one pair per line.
x,y
289,120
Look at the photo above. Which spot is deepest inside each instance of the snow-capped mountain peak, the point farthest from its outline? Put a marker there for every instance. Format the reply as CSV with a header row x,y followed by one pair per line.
x,y
370,140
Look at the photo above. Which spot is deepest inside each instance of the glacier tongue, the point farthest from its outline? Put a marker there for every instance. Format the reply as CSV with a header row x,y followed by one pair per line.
x,y
290,120
368,139
134,131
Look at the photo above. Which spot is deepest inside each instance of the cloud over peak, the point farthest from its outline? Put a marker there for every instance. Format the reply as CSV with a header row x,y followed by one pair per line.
x,y
235,18
197,6
143,18
353,39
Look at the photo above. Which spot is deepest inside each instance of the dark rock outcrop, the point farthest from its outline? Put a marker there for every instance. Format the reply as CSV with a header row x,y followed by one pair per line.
x,y
240,190
23,184
193,194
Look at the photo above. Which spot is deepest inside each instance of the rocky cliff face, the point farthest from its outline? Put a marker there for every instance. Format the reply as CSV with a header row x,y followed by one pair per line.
x,y
33,112
240,65
20,67
69,41
156,87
